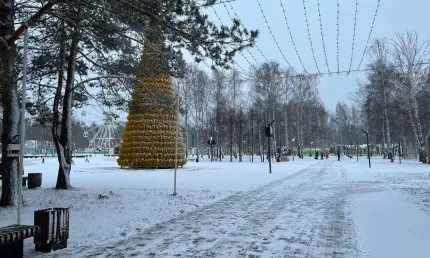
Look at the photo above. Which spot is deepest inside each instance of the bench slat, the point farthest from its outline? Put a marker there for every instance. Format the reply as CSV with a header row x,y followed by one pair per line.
x,y
14,233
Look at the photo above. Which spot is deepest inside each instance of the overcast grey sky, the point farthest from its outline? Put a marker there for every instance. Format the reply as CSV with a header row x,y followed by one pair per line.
x,y
393,16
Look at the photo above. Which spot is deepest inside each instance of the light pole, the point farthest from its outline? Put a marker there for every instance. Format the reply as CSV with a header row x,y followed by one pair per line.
x,y
400,154
269,133
22,134
310,151
356,147
176,141
294,139
368,149
316,148
211,142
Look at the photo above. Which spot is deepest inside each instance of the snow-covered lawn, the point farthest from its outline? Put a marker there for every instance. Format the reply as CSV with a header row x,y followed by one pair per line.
x,y
110,203
394,222
305,208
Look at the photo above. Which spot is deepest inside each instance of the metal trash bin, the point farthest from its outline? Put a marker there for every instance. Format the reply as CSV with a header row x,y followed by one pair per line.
x,y
53,229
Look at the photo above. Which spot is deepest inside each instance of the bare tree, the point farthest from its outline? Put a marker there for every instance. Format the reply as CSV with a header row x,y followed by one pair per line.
x,y
288,88
219,87
409,53
303,94
266,86
235,86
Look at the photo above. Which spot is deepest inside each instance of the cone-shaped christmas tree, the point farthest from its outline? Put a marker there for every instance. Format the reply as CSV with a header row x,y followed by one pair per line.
x,y
149,137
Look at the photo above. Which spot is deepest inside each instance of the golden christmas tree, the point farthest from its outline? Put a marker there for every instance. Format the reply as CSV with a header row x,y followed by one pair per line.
x,y
150,131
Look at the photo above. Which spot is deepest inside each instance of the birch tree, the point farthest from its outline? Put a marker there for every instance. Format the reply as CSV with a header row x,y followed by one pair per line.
x,y
287,90
218,90
266,86
234,91
408,53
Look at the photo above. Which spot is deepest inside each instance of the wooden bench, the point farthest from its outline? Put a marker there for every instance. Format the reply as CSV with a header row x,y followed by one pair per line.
x,y
283,159
12,239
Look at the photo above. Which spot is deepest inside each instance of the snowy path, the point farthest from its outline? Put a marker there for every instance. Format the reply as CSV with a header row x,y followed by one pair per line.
x,y
301,215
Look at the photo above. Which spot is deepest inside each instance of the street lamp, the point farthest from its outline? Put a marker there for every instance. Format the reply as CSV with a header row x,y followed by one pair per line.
x,y
310,151
356,147
211,142
293,147
316,148
400,153
176,142
269,134
368,149
22,133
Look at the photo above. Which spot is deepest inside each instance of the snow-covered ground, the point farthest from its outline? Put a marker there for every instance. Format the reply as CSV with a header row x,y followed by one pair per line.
x,y
305,208
394,221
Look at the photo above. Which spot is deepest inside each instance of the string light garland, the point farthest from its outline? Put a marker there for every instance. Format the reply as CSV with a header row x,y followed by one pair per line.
x,y
340,72
256,46
370,33
241,68
231,18
309,36
273,35
291,36
322,36
353,36
337,39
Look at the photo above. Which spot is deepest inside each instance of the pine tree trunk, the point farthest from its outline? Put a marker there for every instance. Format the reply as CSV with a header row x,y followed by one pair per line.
x,y
10,104
11,114
63,142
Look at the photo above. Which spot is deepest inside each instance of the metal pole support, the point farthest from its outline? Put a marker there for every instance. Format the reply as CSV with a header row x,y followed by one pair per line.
x,y
22,133
368,149
268,155
428,148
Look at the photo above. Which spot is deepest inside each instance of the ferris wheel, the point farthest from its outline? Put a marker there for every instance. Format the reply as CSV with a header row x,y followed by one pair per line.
x,y
104,136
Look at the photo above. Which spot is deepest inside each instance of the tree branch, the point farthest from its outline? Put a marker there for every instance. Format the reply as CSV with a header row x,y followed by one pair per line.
x,y
32,21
